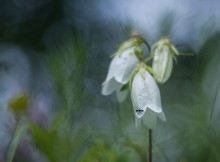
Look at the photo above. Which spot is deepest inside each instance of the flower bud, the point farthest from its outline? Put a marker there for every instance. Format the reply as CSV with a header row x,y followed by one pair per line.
x,y
163,54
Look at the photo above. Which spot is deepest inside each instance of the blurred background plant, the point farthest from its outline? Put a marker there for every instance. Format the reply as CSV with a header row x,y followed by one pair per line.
x,y
57,53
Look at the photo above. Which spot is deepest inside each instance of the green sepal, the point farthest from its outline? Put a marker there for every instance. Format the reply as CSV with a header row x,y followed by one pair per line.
x,y
150,70
174,49
131,42
149,58
125,87
138,52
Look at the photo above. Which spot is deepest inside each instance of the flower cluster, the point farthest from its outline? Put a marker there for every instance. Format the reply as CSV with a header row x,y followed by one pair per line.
x,y
128,67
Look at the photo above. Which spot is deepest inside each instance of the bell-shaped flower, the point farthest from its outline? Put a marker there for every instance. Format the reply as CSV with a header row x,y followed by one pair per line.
x,y
146,99
119,72
163,53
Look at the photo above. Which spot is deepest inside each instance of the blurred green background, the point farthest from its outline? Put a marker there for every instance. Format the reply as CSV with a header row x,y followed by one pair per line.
x,y
54,56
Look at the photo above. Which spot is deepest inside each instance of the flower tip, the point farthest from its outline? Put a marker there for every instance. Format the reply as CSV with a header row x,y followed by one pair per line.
x,y
139,113
103,91
162,116
137,122
106,90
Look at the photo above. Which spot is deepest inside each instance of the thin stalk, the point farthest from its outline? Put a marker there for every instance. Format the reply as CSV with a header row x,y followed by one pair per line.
x,y
150,155
148,46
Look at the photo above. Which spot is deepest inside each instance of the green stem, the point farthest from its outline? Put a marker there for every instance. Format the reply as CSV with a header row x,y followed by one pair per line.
x,y
150,155
149,58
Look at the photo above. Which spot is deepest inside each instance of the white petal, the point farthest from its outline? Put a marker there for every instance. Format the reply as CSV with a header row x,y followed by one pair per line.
x,y
137,121
112,68
150,119
162,116
110,86
145,92
121,95
124,65
137,111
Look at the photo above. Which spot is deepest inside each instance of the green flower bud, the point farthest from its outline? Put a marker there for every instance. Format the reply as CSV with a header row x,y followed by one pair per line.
x,y
163,54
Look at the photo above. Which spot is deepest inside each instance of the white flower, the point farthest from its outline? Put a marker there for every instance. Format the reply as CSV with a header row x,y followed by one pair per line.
x,y
146,100
163,54
119,72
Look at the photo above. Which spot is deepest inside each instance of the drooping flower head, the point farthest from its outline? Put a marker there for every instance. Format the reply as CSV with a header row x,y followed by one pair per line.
x,y
146,99
121,66
163,54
